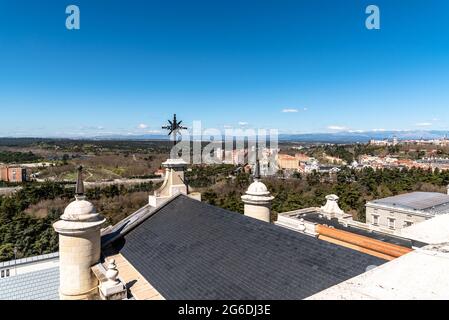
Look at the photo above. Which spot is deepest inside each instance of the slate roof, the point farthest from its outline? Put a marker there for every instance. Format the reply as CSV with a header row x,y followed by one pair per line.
x,y
191,250
428,202
37,285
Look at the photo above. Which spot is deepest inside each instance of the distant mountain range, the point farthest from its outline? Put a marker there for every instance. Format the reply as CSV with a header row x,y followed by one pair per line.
x,y
363,137
336,137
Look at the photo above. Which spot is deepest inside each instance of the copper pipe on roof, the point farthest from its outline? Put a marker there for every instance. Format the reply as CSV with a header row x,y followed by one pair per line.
x,y
356,248
364,244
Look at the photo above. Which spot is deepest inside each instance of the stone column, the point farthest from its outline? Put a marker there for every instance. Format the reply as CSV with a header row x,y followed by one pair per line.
x,y
79,247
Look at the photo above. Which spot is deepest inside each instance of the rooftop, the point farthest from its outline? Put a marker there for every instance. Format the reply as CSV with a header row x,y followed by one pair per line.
x,y
433,231
420,274
318,218
191,250
428,202
37,285
12,263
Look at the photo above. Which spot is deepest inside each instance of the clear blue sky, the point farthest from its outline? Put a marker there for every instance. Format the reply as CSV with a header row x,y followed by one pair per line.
x,y
222,62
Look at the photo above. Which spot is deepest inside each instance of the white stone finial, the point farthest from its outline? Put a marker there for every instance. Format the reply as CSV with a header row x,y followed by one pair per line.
x,y
113,288
301,226
331,208
112,273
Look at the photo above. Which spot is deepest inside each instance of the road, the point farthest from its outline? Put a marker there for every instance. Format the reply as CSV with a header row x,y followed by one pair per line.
x,y
115,181
11,190
121,181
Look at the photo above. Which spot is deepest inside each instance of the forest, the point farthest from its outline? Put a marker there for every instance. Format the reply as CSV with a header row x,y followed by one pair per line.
x,y
354,187
26,217
17,157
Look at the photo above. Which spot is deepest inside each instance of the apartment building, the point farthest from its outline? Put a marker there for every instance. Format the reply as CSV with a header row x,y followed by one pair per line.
x,y
405,210
13,174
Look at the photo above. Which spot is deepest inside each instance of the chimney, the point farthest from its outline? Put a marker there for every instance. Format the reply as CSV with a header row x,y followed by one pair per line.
x,y
257,199
79,246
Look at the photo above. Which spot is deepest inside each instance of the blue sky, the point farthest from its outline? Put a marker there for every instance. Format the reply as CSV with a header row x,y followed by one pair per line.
x,y
134,63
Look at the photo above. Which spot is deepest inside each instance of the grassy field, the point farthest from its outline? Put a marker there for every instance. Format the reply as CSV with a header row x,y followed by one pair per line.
x,y
102,160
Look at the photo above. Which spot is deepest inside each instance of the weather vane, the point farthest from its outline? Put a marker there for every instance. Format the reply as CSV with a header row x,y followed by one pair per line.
x,y
174,128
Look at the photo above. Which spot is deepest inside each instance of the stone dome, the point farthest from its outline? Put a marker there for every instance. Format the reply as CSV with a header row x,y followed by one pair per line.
x,y
257,188
80,209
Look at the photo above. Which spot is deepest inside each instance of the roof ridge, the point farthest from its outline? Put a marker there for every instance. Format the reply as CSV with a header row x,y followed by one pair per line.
x,y
126,225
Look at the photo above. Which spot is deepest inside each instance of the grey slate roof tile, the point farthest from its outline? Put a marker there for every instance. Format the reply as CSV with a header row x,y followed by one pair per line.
x,y
37,285
192,250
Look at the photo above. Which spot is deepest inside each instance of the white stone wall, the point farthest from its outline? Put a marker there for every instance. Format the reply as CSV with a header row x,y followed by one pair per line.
x,y
259,211
33,266
384,214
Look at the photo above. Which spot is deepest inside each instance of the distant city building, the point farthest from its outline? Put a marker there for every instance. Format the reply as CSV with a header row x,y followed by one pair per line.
x,y
395,141
355,165
311,166
431,163
294,163
444,142
234,157
384,142
287,162
328,169
13,174
335,160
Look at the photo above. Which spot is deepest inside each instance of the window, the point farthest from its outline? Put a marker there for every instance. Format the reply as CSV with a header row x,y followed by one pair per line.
x,y
5,273
375,220
408,223
391,222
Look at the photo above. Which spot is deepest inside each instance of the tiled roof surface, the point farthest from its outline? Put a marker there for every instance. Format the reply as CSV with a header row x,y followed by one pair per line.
x,y
37,285
192,250
429,202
